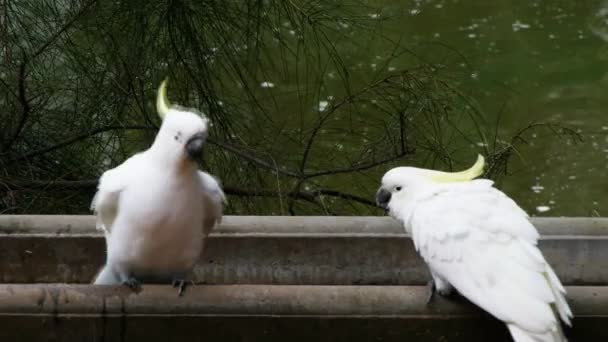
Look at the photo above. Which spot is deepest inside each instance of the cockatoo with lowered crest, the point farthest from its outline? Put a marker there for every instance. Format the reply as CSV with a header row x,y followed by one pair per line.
x,y
157,208
478,241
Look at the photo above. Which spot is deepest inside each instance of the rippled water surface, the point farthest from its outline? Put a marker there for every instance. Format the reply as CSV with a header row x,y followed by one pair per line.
x,y
544,60
523,62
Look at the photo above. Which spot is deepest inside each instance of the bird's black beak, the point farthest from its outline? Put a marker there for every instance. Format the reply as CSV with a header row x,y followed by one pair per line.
x,y
194,145
382,198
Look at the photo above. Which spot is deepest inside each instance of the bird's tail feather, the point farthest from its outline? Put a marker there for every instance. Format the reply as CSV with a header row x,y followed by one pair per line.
x,y
106,277
560,305
520,335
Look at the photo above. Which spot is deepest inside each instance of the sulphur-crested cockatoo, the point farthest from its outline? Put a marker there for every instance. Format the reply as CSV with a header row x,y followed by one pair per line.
x,y
157,208
477,240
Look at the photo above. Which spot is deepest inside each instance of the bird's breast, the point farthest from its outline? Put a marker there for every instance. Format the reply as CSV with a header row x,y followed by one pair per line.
x,y
159,228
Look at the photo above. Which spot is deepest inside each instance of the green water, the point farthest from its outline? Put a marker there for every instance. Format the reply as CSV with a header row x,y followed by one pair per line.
x,y
532,61
521,61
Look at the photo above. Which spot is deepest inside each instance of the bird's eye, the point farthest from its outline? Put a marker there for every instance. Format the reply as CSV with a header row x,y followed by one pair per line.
x,y
398,188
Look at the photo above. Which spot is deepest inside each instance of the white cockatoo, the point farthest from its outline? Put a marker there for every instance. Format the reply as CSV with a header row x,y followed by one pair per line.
x,y
479,241
157,208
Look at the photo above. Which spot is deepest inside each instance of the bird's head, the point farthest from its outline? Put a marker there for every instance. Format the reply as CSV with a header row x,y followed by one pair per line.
x,y
184,130
401,185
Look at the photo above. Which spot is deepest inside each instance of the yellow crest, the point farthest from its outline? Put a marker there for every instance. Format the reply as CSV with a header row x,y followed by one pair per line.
x,y
162,103
473,172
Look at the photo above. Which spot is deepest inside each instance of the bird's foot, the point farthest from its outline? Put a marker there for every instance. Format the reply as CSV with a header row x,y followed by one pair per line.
x,y
181,284
445,290
133,284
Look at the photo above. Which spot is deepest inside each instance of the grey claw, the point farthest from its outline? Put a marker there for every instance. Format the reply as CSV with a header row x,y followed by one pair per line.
x,y
133,284
181,284
432,290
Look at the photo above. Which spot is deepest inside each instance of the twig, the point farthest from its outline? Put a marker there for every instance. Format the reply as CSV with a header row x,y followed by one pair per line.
x,y
91,184
75,139
250,157
61,30
356,168
346,196
25,105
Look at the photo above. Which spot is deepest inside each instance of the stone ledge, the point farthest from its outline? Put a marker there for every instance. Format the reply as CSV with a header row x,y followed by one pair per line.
x,y
288,225
261,312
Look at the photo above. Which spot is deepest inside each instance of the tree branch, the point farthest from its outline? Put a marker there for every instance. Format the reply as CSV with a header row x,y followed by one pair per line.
x,y
242,154
230,148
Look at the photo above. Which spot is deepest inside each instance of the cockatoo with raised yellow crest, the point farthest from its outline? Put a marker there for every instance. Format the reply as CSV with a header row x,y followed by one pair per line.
x,y
478,241
157,208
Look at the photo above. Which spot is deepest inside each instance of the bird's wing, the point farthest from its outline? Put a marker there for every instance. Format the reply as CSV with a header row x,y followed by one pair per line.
x,y
213,201
482,243
111,184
